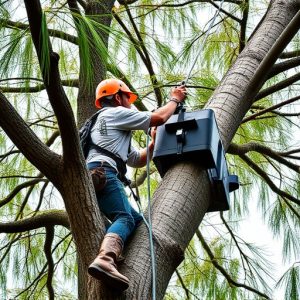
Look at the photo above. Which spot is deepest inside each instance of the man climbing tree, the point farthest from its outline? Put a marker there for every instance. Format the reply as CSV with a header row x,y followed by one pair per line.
x,y
110,150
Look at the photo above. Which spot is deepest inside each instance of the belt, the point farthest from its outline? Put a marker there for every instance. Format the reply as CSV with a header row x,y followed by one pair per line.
x,y
107,165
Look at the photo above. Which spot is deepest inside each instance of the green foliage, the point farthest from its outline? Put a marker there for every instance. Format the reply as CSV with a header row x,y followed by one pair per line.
x,y
290,281
11,53
223,43
30,261
45,50
202,279
284,221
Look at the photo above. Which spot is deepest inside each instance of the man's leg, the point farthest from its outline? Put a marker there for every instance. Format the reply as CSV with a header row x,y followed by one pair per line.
x,y
114,204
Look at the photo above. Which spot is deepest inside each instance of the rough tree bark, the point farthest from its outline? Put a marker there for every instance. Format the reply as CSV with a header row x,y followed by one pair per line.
x,y
183,196
99,12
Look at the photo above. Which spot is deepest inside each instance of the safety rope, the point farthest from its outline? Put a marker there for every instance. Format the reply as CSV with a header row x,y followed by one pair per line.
x,y
153,265
149,222
202,44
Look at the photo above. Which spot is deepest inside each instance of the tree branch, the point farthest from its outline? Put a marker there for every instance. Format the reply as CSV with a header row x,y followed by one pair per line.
x,y
153,77
26,140
187,292
43,189
225,12
119,74
288,153
8,247
242,254
277,87
44,267
21,78
130,36
47,249
141,178
48,143
3,156
270,109
126,2
252,66
239,2
144,56
262,71
82,3
244,257
52,138
223,271
284,66
267,179
245,148
37,88
243,25
42,219
73,5
291,208
52,32
290,54
52,81
19,214
18,188
283,114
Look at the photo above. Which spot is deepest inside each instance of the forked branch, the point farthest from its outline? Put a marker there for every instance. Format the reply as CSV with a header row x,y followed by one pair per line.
x,y
223,271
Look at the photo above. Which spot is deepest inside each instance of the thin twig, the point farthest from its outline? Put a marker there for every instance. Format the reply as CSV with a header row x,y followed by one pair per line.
x,y
47,249
223,271
186,290
268,180
147,57
259,148
271,108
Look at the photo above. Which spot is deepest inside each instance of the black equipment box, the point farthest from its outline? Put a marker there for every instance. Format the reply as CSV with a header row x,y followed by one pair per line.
x,y
194,136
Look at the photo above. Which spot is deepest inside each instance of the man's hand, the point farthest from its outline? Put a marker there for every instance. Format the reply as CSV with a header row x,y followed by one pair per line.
x,y
161,115
143,152
153,134
178,93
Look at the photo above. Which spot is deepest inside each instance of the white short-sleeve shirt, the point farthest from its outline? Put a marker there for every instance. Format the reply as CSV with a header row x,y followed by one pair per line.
x,y
112,131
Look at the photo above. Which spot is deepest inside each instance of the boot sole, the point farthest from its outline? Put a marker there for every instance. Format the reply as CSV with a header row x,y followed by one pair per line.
x,y
110,280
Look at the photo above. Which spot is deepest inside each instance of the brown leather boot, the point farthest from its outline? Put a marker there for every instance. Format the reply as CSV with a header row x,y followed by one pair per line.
x,y
104,267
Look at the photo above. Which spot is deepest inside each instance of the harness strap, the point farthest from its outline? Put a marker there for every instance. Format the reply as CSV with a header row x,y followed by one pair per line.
x,y
121,165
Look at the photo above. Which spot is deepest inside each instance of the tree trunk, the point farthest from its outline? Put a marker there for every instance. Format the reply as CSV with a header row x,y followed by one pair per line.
x,y
232,99
101,13
86,223
183,196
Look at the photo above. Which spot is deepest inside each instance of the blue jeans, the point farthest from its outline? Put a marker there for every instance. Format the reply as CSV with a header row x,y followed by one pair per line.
x,y
113,202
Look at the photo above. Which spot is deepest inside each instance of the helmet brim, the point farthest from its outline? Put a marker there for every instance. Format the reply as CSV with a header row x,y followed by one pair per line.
x,y
98,103
132,98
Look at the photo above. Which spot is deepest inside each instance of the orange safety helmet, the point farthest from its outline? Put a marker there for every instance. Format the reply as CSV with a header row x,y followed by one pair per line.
x,y
109,87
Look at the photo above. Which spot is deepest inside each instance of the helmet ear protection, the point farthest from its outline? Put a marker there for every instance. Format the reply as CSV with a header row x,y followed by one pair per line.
x,y
110,87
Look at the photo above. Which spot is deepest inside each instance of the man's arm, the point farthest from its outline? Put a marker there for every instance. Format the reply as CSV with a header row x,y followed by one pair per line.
x,y
161,115
143,155
143,152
